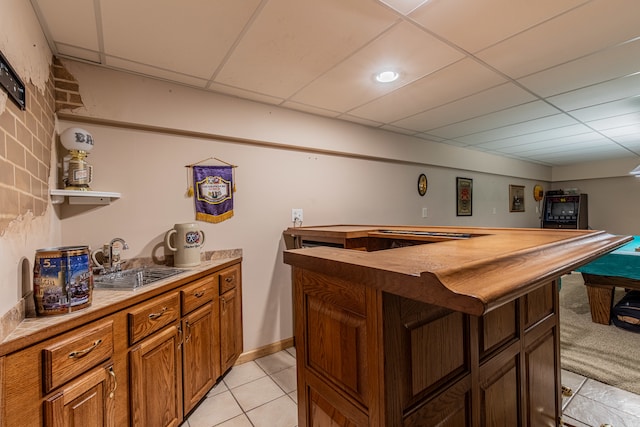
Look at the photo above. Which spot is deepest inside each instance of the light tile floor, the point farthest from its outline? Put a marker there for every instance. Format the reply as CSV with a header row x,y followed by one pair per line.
x,y
262,393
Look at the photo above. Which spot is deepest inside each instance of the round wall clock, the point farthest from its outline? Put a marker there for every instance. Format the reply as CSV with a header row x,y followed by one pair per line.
x,y
422,184
538,192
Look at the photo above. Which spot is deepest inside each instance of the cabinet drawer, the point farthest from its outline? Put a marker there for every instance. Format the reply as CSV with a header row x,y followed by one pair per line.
x,y
198,293
229,278
153,316
76,353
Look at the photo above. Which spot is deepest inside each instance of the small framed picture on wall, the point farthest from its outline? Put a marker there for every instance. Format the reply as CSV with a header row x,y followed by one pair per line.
x,y
464,196
516,198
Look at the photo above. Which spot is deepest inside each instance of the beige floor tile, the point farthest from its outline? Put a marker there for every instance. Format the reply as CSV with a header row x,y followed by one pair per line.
x,y
593,413
574,382
256,393
286,379
573,423
239,421
215,410
221,387
242,374
621,400
276,362
281,412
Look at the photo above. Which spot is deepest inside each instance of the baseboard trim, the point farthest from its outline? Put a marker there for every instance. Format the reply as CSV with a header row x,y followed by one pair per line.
x,y
264,351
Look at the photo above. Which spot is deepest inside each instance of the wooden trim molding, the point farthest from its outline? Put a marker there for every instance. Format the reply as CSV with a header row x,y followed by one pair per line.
x,y
266,350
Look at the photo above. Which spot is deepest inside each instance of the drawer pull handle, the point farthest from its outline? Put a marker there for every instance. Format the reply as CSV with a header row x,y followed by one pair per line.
x,y
154,316
199,294
115,382
229,279
81,353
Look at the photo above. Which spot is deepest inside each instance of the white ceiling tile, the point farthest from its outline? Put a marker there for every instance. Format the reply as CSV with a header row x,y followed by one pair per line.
x,y
598,94
71,22
456,81
516,130
474,25
555,145
290,44
556,133
78,53
622,131
493,99
582,31
404,48
616,122
607,64
404,6
608,109
190,40
309,109
518,114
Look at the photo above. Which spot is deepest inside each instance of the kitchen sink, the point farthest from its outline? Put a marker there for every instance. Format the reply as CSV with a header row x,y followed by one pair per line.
x,y
133,278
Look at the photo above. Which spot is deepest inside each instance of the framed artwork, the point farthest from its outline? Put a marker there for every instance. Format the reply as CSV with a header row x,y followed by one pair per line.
x,y
516,198
464,196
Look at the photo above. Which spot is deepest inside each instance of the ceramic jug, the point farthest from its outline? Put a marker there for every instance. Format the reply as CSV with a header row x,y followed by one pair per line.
x,y
185,244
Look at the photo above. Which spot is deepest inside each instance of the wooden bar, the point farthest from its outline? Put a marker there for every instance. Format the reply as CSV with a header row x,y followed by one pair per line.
x,y
446,326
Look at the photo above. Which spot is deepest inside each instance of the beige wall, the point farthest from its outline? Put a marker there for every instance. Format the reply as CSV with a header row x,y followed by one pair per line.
x,y
27,221
148,169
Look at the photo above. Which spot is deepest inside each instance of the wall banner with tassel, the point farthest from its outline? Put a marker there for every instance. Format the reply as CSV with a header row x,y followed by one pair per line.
x,y
213,192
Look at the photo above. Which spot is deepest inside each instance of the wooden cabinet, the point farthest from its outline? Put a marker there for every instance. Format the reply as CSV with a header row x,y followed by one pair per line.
x,y
156,380
200,348
230,317
370,358
88,401
145,362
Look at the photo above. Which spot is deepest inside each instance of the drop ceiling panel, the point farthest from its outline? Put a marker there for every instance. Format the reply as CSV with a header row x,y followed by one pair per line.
x,y
190,40
608,109
517,114
456,81
515,130
598,94
555,133
80,31
580,32
404,47
601,66
293,42
474,25
478,105
488,75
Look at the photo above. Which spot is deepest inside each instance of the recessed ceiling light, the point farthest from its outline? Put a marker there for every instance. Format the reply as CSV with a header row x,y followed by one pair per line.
x,y
387,76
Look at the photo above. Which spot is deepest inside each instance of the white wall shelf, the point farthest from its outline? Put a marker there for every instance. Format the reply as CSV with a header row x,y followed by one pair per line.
x,y
83,197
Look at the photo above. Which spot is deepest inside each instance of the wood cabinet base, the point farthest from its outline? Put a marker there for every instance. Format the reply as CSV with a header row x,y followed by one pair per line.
x,y
369,358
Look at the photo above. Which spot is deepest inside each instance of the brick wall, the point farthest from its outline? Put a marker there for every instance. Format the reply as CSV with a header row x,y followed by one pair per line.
x,y
26,140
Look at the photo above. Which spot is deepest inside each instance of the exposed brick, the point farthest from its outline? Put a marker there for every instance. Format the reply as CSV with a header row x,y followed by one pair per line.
x,y
75,98
26,203
15,152
3,145
43,171
8,122
6,173
69,86
31,163
32,122
39,207
61,95
23,135
23,180
9,206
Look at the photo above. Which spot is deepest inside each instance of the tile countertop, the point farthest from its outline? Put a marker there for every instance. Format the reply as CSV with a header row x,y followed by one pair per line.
x,y
107,301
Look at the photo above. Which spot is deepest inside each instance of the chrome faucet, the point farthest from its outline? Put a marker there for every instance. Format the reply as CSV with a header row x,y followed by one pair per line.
x,y
113,259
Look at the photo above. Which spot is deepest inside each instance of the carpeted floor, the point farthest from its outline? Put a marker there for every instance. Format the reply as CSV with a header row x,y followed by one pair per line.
x,y
605,353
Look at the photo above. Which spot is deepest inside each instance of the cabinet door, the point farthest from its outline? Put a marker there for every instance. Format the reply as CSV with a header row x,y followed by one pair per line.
x,y
156,380
201,361
230,327
88,401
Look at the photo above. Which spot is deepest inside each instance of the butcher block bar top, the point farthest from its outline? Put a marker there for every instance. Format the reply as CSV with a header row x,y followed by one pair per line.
x,y
431,326
468,269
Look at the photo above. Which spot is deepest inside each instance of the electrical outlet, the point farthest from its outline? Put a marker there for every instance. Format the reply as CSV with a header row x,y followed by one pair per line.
x,y
296,215
424,212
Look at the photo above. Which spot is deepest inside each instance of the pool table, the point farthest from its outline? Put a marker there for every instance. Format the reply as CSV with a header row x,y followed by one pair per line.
x,y
618,268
